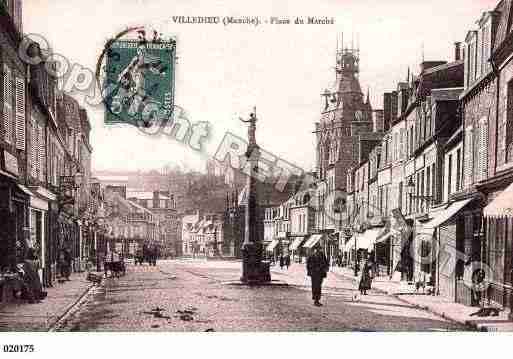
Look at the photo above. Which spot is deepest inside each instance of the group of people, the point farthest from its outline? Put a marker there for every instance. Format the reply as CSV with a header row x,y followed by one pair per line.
x,y
32,287
317,266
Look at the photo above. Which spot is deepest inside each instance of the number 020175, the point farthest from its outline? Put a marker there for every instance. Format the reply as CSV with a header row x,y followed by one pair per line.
x,y
18,348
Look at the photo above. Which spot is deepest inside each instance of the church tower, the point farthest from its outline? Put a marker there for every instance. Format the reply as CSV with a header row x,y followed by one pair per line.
x,y
345,114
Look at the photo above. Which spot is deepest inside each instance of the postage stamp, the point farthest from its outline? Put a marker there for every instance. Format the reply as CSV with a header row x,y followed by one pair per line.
x,y
139,81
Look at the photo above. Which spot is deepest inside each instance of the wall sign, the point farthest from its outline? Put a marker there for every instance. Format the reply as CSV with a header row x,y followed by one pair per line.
x,y
10,163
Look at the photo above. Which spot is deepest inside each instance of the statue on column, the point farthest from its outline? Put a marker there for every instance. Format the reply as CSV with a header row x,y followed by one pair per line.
x,y
254,269
251,132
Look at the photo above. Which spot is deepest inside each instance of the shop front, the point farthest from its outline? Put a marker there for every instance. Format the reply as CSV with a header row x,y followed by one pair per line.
x,y
272,250
498,256
314,240
40,230
13,223
443,252
296,250
13,213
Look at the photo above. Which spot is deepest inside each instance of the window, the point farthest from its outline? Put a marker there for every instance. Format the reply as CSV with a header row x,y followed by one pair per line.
x,y
469,156
411,141
482,150
422,189
509,126
428,181
471,62
433,183
20,113
449,176
458,169
7,97
400,197
485,37
417,201
401,146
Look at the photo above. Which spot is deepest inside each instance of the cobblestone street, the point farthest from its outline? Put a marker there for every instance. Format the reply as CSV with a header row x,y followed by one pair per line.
x,y
194,296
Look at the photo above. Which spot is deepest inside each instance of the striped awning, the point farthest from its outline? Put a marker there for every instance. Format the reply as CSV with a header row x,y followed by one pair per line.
x,y
502,205
270,247
314,239
297,243
367,239
444,215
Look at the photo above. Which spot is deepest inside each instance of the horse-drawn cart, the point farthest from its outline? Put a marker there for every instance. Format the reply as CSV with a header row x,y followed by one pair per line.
x,y
115,264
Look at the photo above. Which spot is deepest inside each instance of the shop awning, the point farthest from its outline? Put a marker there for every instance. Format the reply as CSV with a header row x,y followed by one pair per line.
x,y
445,215
502,205
25,189
272,245
297,243
367,239
383,237
313,240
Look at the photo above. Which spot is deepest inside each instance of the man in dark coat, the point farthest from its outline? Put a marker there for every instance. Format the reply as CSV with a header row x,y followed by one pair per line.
x,y
317,266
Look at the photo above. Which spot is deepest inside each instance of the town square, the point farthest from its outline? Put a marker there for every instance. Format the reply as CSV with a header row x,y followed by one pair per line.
x,y
339,169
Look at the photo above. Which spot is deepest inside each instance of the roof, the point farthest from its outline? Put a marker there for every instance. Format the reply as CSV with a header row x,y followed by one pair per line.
x,y
139,207
348,83
112,178
144,195
504,22
449,94
443,67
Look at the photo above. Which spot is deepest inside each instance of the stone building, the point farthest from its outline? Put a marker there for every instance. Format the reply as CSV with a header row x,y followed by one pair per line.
x,y
14,201
493,170
163,207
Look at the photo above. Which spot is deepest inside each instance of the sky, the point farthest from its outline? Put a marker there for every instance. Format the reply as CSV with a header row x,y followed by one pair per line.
x,y
224,71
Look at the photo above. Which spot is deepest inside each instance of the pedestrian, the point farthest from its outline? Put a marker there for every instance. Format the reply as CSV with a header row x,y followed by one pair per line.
x,y
65,263
317,266
287,261
282,262
365,279
33,287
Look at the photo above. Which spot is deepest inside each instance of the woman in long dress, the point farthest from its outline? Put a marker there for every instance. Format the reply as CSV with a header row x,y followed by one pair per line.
x,y
365,279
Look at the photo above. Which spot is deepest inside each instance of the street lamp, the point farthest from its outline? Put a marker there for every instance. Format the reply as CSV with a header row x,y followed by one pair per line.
x,y
410,189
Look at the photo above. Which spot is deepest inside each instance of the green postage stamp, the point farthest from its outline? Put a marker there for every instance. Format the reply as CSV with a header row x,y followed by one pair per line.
x,y
139,81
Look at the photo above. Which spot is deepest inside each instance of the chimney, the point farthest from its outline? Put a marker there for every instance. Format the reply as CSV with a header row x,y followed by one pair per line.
x,y
457,51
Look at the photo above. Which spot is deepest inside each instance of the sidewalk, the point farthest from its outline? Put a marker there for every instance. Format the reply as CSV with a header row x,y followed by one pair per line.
x,y
42,316
444,307
437,304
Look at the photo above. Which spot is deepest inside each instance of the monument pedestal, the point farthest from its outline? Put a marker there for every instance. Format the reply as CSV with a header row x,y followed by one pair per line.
x,y
254,270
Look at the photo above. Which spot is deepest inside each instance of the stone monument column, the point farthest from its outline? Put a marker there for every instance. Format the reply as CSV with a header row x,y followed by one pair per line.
x,y
254,270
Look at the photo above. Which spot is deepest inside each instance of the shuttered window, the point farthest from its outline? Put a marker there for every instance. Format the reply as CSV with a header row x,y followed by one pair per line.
x,y
33,148
20,113
38,150
7,113
482,149
402,145
469,157
42,153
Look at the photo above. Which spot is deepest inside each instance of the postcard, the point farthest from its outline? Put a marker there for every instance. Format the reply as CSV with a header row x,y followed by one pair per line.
x,y
255,167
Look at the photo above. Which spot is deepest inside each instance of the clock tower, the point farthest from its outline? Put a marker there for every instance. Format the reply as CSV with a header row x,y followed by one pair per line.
x,y
345,114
